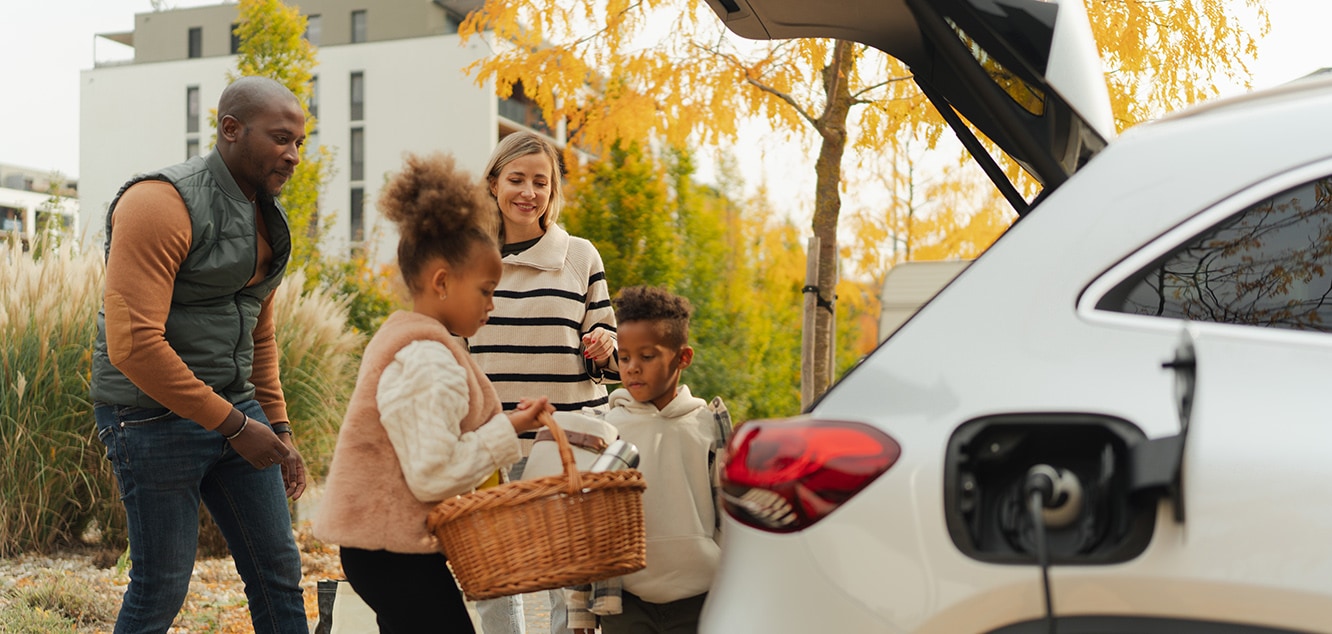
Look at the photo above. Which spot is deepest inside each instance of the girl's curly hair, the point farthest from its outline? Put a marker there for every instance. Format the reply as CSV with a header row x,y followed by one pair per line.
x,y
441,212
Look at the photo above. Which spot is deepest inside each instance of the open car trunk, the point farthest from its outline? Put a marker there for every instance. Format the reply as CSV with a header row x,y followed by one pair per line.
x,y
1024,72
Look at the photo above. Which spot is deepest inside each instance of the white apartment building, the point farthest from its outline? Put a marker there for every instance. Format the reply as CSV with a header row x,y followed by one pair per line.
x,y
32,201
389,81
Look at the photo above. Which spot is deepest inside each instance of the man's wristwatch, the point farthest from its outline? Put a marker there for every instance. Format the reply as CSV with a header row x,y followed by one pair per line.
x,y
282,428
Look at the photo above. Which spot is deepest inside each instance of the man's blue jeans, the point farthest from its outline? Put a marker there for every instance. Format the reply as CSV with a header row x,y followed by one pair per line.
x,y
165,466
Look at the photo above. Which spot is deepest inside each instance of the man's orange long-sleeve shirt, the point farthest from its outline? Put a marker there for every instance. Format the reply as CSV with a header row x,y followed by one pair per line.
x,y
150,238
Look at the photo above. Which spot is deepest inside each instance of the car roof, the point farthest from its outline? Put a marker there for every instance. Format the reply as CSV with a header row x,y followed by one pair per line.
x,y
1307,86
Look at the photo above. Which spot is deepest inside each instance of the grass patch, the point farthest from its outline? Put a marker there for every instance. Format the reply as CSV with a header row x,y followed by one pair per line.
x,y
23,619
54,600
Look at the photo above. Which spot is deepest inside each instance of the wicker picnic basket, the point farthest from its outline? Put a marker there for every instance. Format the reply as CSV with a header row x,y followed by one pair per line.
x,y
551,532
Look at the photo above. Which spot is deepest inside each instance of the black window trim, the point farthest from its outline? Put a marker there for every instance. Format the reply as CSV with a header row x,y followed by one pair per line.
x,y
193,39
356,164
356,233
1178,235
364,14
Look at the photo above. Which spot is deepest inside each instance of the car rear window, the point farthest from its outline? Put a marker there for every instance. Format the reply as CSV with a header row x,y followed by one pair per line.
x,y
1269,266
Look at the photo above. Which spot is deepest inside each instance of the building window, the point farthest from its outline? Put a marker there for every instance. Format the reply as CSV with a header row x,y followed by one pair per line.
x,y
314,101
358,26
191,148
235,38
11,219
358,154
314,29
356,218
192,109
196,41
357,96
520,109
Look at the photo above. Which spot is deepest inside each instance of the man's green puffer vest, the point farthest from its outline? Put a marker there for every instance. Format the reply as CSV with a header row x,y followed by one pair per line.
x,y
213,314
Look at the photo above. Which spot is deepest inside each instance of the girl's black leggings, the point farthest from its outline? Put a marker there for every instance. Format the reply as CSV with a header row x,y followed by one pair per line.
x,y
410,594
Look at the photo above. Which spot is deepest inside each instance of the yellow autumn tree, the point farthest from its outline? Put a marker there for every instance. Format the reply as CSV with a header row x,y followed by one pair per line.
x,y
622,69
1159,56
924,210
273,44
659,68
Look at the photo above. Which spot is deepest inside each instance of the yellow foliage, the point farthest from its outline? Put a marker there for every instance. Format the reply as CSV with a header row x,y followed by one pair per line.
x,y
272,44
1160,56
654,68
669,71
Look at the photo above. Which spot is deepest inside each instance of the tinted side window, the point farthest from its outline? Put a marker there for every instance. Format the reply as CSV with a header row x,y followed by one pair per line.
x,y
1270,265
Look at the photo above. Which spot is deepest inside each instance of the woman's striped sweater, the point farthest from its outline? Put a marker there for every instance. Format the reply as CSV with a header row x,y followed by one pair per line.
x,y
549,297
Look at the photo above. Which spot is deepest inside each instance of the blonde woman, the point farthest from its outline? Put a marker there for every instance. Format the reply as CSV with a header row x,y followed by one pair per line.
x,y
553,329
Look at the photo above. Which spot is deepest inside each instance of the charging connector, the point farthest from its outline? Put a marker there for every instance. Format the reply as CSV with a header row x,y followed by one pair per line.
x,y
1061,493
1054,499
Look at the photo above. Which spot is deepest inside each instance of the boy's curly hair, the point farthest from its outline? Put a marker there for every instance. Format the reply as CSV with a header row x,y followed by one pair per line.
x,y
651,303
441,212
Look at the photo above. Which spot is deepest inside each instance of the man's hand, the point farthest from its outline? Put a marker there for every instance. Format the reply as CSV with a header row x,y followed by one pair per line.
x,y
260,446
293,469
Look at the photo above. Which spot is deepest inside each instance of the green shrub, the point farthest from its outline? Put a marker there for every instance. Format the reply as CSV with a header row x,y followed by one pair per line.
x,y
55,480
319,355
370,294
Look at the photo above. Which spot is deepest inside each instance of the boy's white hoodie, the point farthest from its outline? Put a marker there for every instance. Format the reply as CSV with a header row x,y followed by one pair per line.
x,y
681,516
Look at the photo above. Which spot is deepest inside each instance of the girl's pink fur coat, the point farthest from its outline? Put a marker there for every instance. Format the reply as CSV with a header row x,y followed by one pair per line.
x,y
366,503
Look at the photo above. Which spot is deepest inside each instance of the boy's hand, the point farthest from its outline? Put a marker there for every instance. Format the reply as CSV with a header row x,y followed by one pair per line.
x,y
529,414
599,345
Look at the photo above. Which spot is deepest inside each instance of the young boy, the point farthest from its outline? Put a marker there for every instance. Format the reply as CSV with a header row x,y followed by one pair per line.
x,y
678,436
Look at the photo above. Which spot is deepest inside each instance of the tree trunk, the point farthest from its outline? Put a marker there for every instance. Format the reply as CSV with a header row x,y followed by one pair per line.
x,y
817,376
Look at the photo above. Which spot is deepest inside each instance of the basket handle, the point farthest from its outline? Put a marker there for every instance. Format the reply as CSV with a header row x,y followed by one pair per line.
x,y
566,452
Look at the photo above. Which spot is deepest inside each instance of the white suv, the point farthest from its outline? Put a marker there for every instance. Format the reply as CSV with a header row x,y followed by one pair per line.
x,y
1118,419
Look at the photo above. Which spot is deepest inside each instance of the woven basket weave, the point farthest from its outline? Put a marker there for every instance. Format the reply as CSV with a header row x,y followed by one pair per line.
x,y
550,532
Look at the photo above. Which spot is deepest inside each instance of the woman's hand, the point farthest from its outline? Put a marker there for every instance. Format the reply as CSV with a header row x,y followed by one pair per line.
x,y
598,346
528,415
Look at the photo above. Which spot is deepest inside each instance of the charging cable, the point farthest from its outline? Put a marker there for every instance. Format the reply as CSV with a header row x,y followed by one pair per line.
x,y
1054,499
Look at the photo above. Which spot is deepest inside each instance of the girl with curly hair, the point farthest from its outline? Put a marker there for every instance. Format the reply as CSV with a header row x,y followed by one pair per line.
x,y
424,422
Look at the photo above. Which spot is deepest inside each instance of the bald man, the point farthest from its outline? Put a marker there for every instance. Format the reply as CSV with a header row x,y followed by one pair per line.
x,y
185,368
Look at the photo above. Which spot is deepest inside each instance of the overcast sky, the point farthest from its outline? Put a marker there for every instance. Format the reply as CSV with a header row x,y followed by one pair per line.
x,y
44,44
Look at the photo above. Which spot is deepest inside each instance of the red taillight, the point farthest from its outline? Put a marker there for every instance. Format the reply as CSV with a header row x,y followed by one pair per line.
x,y
785,475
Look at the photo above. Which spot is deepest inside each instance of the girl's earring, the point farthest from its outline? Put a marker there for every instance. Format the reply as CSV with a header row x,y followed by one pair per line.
x,y
443,295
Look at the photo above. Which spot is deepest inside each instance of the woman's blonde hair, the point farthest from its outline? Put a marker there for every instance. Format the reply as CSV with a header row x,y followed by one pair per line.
x,y
516,146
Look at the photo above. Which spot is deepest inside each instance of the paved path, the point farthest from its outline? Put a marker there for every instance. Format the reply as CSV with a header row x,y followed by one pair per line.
x,y
536,607
536,610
